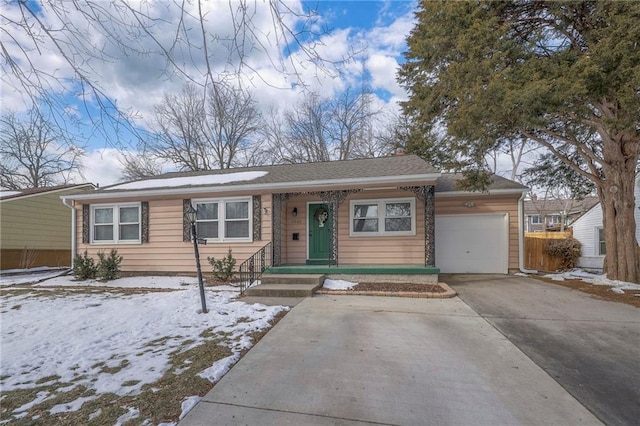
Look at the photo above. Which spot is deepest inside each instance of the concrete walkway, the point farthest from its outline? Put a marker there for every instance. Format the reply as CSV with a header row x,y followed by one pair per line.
x,y
354,360
589,345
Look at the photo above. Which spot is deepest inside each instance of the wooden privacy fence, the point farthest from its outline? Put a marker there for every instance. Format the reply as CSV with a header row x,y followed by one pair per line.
x,y
534,255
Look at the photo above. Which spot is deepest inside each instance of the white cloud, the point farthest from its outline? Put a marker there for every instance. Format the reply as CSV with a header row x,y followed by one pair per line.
x,y
102,166
383,74
137,78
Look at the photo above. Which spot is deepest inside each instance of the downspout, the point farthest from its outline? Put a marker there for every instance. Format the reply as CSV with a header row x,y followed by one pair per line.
x,y
73,229
521,237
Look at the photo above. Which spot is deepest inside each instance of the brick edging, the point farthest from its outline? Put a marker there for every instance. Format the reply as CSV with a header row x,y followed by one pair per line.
x,y
447,294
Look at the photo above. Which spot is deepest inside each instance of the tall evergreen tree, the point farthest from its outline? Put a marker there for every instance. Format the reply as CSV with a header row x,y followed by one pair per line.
x,y
565,75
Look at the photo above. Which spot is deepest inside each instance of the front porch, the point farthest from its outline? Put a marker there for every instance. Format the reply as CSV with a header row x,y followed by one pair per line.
x,y
354,269
362,273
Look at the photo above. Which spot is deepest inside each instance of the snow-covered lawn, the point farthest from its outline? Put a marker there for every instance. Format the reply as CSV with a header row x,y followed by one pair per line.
x,y
64,347
616,286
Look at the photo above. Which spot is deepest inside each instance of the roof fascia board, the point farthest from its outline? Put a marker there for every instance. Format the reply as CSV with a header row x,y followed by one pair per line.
x,y
471,194
307,185
22,197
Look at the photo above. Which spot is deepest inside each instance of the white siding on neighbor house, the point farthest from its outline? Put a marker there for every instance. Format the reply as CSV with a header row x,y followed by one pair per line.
x,y
585,230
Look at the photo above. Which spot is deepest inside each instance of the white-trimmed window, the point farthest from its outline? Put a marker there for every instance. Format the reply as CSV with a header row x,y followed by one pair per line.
x,y
383,217
224,219
601,248
115,223
553,219
534,219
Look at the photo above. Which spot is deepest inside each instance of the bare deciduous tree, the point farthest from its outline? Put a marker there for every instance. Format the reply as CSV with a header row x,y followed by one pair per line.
x,y
319,129
34,153
197,133
233,120
306,131
516,151
192,40
139,166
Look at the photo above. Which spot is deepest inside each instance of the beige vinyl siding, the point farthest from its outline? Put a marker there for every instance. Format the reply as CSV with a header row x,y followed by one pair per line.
x,y
396,250
40,221
165,251
487,204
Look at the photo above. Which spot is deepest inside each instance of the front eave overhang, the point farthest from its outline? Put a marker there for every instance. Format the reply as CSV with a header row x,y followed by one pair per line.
x,y
512,191
24,197
302,186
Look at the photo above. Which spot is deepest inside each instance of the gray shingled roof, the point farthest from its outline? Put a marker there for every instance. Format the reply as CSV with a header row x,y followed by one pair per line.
x,y
400,165
449,181
551,206
42,190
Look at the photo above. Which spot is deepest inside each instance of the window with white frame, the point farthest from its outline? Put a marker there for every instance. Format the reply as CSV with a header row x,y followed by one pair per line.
x,y
553,219
223,219
115,223
383,217
534,219
600,245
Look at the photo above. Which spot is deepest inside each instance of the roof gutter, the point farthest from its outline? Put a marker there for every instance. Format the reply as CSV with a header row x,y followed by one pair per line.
x,y
73,229
521,237
479,194
305,185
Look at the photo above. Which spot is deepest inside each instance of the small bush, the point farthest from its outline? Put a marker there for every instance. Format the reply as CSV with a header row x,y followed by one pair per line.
x,y
84,268
568,251
223,268
109,266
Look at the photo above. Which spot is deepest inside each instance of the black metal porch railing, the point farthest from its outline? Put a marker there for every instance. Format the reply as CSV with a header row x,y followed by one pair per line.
x,y
251,269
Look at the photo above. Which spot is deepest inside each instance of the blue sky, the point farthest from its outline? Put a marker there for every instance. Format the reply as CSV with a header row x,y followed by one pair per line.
x,y
136,83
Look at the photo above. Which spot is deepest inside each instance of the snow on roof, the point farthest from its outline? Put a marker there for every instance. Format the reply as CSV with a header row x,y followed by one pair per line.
x,y
4,193
190,180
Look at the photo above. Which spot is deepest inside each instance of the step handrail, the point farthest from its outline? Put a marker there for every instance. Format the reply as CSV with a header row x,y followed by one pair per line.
x,y
252,269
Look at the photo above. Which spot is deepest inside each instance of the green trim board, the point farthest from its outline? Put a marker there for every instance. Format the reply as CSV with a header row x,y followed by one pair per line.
x,y
319,262
353,269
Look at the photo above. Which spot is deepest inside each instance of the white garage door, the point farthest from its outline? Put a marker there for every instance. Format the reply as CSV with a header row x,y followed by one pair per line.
x,y
472,243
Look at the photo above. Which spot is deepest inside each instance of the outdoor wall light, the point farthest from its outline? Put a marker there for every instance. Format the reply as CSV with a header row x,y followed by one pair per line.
x,y
266,210
469,204
294,212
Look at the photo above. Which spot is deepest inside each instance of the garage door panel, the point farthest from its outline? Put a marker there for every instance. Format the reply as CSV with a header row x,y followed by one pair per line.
x,y
471,243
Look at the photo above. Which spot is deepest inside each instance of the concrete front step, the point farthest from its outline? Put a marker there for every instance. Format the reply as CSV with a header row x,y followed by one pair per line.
x,y
292,279
283,290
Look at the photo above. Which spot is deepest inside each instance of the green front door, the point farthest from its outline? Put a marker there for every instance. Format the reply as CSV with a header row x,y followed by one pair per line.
x,y
319,219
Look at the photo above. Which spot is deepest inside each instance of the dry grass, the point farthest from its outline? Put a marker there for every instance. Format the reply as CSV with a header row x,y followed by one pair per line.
x,y
158,402
630,297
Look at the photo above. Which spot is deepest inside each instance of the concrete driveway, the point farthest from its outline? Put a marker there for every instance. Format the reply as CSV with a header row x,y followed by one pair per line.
x,y
357,360
590,346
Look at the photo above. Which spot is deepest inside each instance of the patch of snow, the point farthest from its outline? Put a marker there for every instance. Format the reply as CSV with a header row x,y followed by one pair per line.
x,y
75,336
190,180
4,193
219,368
617,287
188,404
521,274
132,414
35,277
95,414
40,397
338,284
127,282
70,406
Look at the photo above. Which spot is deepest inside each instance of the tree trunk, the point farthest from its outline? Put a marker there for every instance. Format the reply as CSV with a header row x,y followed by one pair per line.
x,y
622,261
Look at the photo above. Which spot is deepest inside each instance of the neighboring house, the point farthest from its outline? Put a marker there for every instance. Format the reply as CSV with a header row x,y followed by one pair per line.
x,y
548,214
393,211
588,229
35,227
